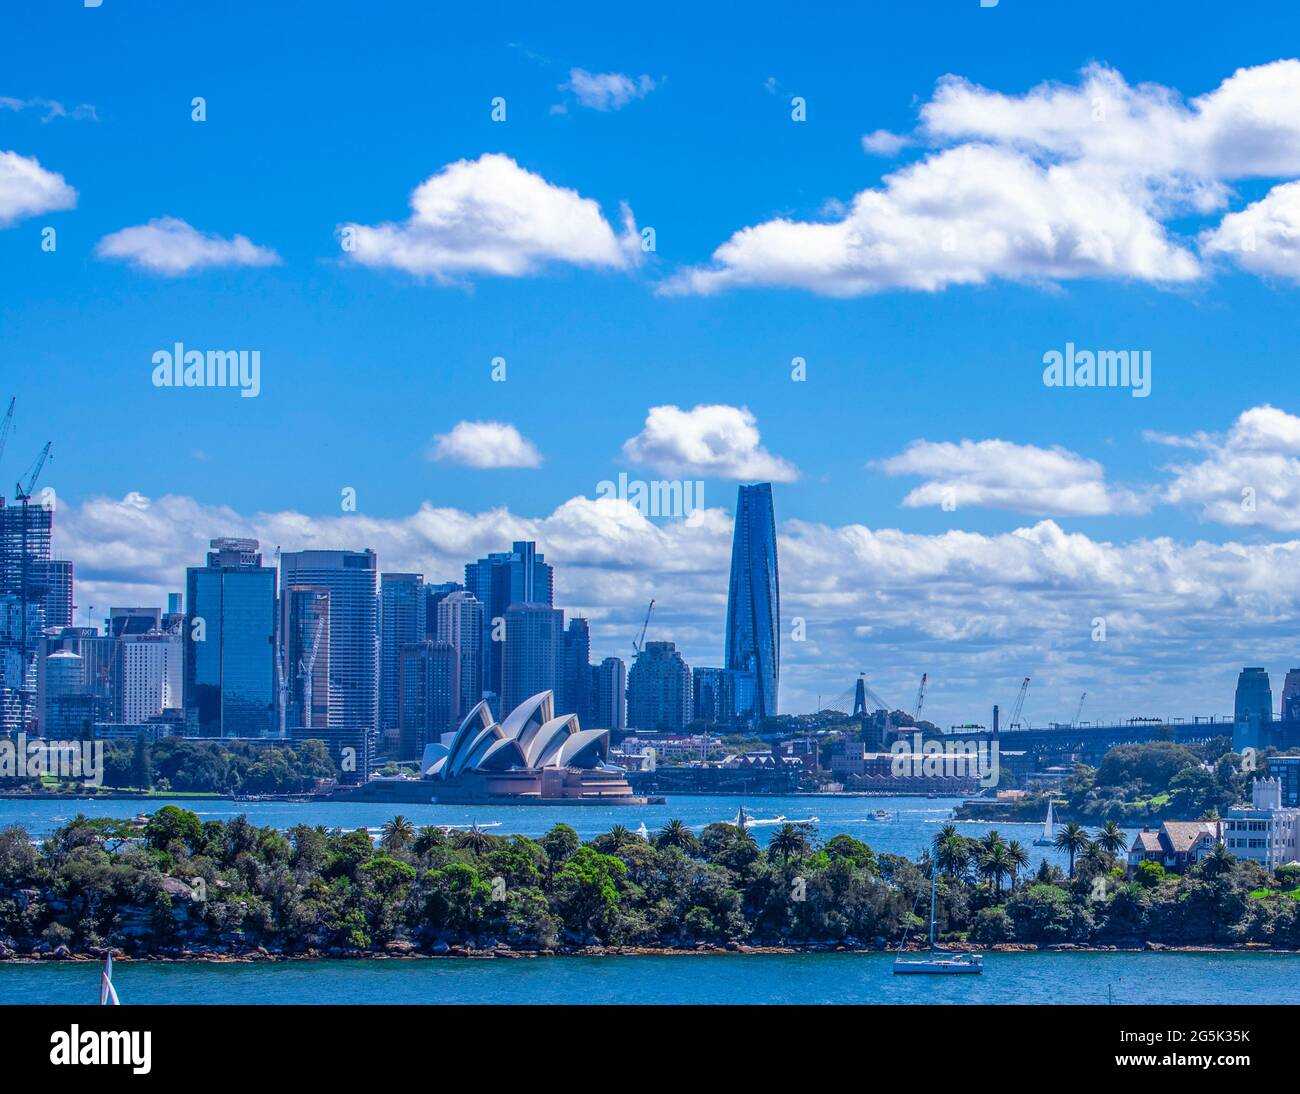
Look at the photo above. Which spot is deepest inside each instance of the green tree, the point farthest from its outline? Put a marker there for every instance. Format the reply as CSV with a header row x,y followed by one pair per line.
x,y
397,834
789,841
141,771
1072,839
1111,838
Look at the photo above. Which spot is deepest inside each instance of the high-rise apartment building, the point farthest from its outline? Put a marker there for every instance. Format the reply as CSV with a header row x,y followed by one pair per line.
x,y
58,593
609,695
659,689
460,623
754,598
352,581
428,691
574,695
228,639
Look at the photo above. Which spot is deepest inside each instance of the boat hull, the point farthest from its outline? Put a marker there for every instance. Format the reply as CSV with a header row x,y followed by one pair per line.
x,y
936,968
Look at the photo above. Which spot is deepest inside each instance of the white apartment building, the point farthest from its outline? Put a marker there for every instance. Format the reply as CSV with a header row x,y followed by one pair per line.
x,y
151,676
1265,831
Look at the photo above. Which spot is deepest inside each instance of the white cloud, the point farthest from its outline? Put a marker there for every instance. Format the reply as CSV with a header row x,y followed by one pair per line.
x,y
1251,477
717,440
51,107
884,143
492,216
27,189
1264,237
485,445
171,247
1059,183
997,474
975,611
607,90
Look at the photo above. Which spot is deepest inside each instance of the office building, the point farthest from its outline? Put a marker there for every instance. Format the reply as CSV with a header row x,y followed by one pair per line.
x,y
659,690
228,640
58,593
305,631
429,694
530,654
574,693
517,576
754,598
1266,831
352,580
151,676
402,620
435,594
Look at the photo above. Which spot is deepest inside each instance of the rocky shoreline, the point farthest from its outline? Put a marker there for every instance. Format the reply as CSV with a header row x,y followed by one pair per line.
x,y
406,951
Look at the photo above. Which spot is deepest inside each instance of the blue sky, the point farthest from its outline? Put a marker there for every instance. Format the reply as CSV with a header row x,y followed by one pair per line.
x,y
333,115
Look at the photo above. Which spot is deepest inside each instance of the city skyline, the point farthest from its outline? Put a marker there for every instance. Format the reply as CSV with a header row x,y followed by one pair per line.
x,y
945,506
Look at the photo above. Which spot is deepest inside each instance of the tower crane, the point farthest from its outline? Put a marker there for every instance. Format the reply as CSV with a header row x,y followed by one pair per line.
x,y
307,666
7,424
1020,705
639,644
23,494
1079,712
920,698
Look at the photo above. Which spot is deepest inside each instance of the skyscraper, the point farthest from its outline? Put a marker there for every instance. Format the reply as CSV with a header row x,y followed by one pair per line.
x,y
228,641
517,576
659,689
25,532
574,696
754,598
460,623
401,621
1291,697
58,593
352,580
1254,699
305,637
428,690
531,653
609,695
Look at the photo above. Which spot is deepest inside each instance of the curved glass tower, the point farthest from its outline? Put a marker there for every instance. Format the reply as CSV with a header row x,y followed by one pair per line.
x,y
754,597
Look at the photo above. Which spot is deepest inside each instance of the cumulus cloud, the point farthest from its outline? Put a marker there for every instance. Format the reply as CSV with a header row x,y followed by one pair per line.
x,y
171,247
27,189
976,611
998,474
606,90
1062,182
492,216
1250,477
718,440
1264,237
485,445
884,143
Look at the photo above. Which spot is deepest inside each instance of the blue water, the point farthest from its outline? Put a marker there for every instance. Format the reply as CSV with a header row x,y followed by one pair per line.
x,y
911,825
760,978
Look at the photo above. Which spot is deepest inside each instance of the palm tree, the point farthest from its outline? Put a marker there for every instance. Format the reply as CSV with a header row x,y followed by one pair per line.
x,y
789,840
617,838
397,834
1018,853
429,837
475,840
947,832
952,855
994,863
675,834
1071,839
1111,838
1218,861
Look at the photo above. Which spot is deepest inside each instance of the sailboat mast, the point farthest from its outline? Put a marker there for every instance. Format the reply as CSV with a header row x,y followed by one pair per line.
x,y
934,882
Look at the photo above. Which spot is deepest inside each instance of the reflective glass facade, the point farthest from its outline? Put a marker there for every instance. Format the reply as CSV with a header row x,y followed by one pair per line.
x,y
754,598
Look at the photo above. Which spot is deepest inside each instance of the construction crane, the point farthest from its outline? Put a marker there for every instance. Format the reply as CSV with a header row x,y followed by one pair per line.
x,y
6,425
1079,712
306,668
920,698
23,495
639,644
1020,705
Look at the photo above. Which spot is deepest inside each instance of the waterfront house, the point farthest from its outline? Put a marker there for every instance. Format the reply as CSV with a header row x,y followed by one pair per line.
x,y
1176,845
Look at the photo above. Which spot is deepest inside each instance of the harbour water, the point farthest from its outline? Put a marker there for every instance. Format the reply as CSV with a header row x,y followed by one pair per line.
x,y
1045,978
909,828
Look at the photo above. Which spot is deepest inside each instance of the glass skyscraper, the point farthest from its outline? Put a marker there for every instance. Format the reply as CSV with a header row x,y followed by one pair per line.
x,y
229,643
402,620
754,598
517,576
352,580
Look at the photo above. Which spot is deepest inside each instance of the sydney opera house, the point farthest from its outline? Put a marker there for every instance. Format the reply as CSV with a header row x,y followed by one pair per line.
x,y
533,756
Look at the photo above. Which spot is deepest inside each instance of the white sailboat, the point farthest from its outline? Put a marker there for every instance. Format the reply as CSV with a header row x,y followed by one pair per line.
x,y
107,993
1048,838
950,963
644,832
